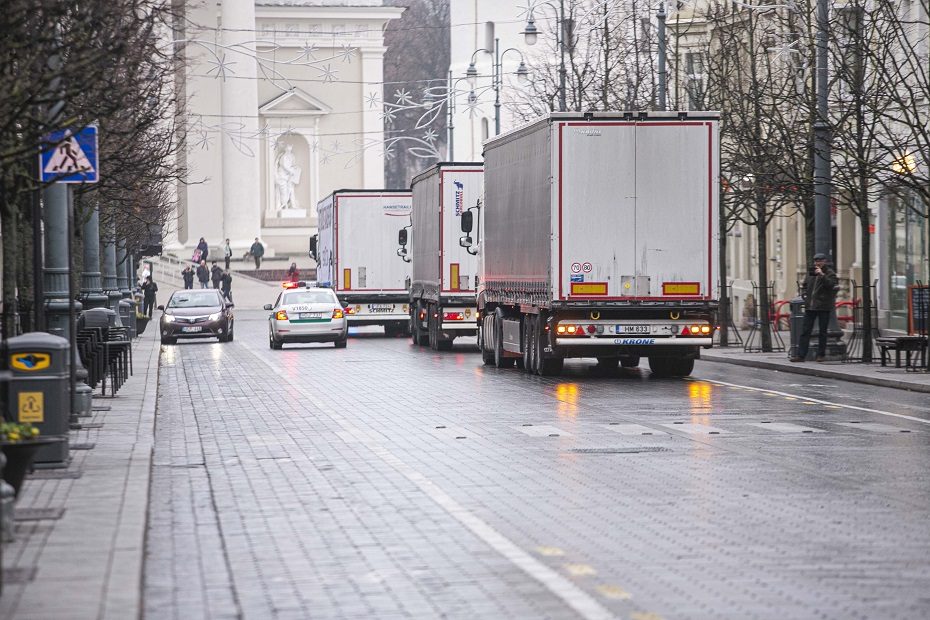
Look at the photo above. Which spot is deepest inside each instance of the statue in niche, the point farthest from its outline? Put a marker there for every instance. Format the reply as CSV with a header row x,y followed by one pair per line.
x,y
286,179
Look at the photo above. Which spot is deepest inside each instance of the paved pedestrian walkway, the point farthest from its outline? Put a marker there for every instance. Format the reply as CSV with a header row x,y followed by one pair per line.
x,y
83,557
869,374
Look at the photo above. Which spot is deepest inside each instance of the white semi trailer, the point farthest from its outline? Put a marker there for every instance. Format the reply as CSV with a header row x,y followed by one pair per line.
x,y
598,240
355,254
445,275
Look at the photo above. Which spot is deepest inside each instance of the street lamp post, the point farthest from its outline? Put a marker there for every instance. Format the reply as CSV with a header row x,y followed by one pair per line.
x,y
663,74
497,76
531,34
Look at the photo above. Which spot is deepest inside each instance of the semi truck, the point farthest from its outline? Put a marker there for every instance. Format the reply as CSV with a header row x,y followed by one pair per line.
x,y
354,252
599,240
445,274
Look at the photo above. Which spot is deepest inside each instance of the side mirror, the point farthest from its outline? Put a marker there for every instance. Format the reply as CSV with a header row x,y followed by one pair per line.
x,y
466,241
267,306
162,308
313,242
402,237
402,252
467,223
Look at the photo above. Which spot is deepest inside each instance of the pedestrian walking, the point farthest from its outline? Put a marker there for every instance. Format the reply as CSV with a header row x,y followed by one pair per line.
x,y
203,274
216,274
257,251
819,294
226,286
227,253
293,273
149,288
202,251
188,274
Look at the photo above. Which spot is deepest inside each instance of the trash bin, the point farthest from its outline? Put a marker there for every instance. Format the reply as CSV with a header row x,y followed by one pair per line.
x,y
38,391
127,315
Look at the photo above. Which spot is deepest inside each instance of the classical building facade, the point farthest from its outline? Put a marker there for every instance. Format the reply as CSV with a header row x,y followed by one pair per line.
x,y
281,101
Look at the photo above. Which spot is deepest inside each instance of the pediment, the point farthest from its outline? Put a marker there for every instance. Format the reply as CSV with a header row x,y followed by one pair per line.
x,y
294,102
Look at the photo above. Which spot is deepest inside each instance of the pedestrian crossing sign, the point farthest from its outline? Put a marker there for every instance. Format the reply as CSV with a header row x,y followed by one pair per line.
x,y
70,157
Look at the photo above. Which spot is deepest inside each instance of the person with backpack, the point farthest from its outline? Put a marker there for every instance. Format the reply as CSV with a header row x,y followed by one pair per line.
x,y
257,251
203,274
216,275
188,274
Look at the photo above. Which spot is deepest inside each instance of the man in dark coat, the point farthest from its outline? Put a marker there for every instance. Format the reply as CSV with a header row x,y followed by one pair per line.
x,y
257,251
203,274
204,249
149,288
188,275
216,275
226,286
819,294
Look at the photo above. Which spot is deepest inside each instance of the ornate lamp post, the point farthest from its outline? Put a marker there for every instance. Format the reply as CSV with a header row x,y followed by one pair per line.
x,y
497,76
530,36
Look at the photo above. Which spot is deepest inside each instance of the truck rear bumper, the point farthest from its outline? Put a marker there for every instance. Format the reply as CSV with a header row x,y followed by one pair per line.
x,y
633,342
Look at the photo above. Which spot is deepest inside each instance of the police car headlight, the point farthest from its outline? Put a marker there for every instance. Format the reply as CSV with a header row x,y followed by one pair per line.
x,y
214,317
169,318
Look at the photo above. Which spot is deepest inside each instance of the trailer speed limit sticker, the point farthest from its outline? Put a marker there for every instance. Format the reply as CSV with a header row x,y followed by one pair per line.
x,y
587,267
576,267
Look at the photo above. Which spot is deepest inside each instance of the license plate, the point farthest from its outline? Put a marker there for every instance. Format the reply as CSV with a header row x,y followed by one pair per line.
x,y
303,316
633,329
192,330
380,308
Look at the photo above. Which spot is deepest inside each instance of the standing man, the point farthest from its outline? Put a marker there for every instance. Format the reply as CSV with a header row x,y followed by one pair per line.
x,y
149,288
227,253
257,251
188,275
819,294
216,274
226,286
203,274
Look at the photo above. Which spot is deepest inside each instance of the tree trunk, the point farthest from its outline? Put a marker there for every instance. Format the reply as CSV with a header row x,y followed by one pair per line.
x,y
10,260
764,317
866,286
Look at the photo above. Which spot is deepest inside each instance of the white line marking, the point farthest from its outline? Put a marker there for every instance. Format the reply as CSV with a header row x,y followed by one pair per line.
x,y
874,427
573,596
818,401
542,431
696,429
632,429
786,427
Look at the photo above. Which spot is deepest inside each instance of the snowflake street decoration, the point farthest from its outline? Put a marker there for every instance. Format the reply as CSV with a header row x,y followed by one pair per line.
x,y
402,97
430,135
220,66
308,51
388,116
347,53
328,74
373,99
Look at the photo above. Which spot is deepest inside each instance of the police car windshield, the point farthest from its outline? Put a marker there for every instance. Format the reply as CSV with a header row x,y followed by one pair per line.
x,y
309,297
206,299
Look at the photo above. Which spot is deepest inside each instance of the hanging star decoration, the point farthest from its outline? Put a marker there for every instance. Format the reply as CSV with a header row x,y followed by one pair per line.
x,y
220,67
373,99
328,74
402,96
430,135
308,51
388,116
347,53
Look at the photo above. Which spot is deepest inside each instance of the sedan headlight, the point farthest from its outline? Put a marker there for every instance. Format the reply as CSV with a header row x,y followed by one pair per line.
x,y
169,318
215,316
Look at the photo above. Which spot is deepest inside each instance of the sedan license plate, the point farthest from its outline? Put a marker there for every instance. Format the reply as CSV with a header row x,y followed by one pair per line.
x,y
192,330
304,316
380,308
633,329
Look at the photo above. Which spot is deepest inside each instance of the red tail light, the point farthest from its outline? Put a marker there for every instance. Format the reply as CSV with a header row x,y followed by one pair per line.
x,y
350,310
591,329
338,313
454,316
280,315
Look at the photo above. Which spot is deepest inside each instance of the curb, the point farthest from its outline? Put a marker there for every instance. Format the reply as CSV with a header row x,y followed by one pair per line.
x,y
823,372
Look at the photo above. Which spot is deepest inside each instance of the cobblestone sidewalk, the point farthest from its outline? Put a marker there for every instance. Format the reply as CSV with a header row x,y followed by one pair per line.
x,y
87,562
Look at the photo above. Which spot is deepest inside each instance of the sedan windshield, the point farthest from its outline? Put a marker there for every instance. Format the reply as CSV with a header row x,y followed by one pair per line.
x,y
206,299
309,297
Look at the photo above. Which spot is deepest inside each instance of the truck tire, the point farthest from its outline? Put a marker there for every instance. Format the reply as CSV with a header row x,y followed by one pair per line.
x,y
499,360
419,338
487,356
444,345
545,366
629,362
671,366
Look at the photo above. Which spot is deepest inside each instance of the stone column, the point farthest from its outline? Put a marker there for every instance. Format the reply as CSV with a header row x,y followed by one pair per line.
x,y
122,282
110,285
57,270
372,60
239,107
91,286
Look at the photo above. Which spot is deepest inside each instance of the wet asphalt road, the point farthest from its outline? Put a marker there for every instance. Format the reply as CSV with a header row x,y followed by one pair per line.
x,y
386,480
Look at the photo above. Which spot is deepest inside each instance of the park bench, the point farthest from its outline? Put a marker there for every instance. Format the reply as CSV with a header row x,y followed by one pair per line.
x,y
903,344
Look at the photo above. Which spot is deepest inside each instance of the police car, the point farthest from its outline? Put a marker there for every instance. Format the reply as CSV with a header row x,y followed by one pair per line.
x,y
305,313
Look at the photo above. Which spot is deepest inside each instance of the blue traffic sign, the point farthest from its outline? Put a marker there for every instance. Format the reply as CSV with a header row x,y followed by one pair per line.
x,y
72,159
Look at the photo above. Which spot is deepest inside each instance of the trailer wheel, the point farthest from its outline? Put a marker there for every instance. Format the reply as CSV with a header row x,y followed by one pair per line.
x,y
671,366
419,338
487,356
431,327
528,343
499,360
444,345
545,366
